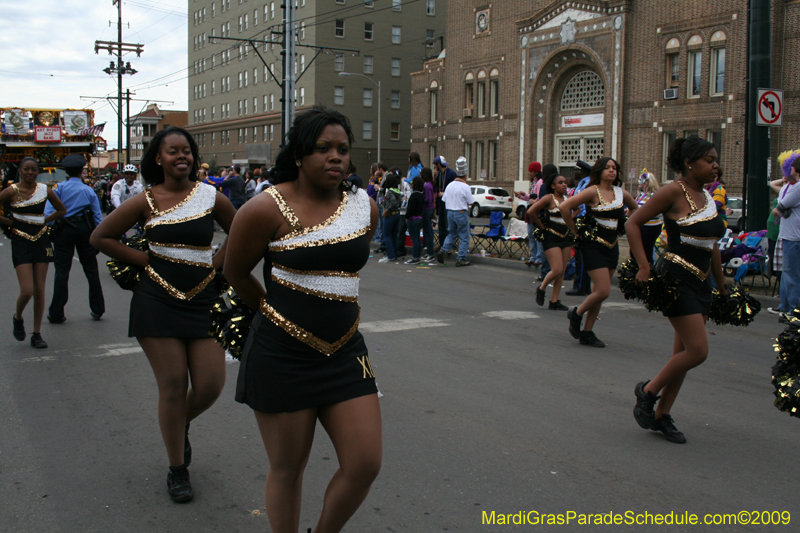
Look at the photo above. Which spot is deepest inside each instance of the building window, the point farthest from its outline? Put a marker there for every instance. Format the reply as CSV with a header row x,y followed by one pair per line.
x,y
492,160
244,103
369,3
480,170
715,138
368,64
434,106
240,80
395,99
266,12
255,104
213,87
265,134
394,133
368,30
338,63
272,10
245,78
667,173
469,95
255,17
246,21
481,98
468,156
302,96
339,28
340,1
366,131
673,70
367,98
271,131
395,34
397,5
338,95
255,76
717,71
213,133
494,97
302,63
431,7
695,72
272,102
395,67
213,112
585,90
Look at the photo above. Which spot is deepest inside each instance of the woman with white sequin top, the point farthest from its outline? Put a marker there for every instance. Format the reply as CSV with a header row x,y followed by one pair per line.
x,y
304,359
693,228
171,304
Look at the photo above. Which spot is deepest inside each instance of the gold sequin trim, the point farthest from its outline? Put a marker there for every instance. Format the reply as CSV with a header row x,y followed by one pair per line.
x,y
603,203
184,246
28,236
294,222
175,293
26,218
275,247
151,223
688,220
154,208
23,203
678,260
180,261
554,232
314,292
329,273
286,211
304,336
605,242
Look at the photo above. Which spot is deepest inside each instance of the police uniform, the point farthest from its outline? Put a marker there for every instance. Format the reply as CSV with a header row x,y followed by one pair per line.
x,y
121,191
83,214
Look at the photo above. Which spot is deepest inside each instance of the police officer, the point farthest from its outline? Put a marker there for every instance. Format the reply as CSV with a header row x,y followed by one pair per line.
x,y
128,187
83,214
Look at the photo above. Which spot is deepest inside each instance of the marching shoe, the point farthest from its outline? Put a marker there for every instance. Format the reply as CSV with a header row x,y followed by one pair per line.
x,y
590,339
643,411
574,322
463,263
19,328
36,341
178,485
539,296
666,425
557,306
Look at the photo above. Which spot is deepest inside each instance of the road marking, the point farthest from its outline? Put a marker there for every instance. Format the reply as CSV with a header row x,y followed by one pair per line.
x,y
510,315
383,326
110,350
622,305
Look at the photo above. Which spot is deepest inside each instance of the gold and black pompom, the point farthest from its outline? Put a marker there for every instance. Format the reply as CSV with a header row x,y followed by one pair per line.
x,y
736,309
125,274
786,371
538,233
657,294
230,322
621,225
586,227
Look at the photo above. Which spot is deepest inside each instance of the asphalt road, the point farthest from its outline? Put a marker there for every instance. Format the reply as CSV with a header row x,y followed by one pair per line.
x,y
489,406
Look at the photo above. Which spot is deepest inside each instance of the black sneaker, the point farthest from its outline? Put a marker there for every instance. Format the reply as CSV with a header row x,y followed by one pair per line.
x,y
180,490
96,316
440,257
590,339
574,322
557,306
37,342
187,448
539,296
643,411
666,425
463,263
413,261
19,328
56,320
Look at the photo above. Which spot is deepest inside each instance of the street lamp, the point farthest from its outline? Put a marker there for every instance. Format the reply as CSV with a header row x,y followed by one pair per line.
x,y
378,83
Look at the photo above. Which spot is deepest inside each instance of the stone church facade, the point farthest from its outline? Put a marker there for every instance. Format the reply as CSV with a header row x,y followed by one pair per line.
x,y
559,81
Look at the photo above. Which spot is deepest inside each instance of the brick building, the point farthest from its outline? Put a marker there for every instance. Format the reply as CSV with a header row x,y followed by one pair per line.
x,y
557,81
235,104
147,123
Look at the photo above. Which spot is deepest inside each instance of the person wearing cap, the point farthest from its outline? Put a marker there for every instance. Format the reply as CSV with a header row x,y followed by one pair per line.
x,y
581,283
535,247
127,187
236,186
457,197
444,177
83,214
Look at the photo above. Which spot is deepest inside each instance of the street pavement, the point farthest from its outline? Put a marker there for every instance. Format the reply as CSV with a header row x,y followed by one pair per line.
x,y
489,406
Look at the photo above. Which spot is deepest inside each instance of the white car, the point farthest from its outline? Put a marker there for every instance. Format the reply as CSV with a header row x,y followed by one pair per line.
x,y
490,199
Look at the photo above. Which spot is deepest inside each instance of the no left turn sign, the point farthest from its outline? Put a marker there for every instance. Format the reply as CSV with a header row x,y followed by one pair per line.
x,y
770,107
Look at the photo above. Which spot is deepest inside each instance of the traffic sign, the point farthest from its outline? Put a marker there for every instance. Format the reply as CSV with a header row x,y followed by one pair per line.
x,y
770,107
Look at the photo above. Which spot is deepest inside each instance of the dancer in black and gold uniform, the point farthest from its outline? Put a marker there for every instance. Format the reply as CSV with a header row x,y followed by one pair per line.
x,y
605,200
305,358
693,229
31,249
556,243
170,308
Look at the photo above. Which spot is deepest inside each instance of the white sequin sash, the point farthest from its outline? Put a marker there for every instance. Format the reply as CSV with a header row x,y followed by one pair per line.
x,y
197,204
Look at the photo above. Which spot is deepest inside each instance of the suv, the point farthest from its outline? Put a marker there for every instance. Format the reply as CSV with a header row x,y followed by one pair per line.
x,y
490,199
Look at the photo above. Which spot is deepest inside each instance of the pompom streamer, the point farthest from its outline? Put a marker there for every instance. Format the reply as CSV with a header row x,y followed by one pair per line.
x,y
736,309
127,275
230,322
586,227
657,294
786,371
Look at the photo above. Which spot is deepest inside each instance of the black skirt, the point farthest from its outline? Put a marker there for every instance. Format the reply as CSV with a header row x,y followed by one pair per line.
x,y
694,295
596,255
24,251
154,313
280,374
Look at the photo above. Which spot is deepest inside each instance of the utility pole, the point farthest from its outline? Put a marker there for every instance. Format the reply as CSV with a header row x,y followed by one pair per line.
x,y
119,69
288,45
757,139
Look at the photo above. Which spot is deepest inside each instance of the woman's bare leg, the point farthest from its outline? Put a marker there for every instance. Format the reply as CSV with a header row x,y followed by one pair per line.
x,y
39,282
601,289
206,361
25,279
556,275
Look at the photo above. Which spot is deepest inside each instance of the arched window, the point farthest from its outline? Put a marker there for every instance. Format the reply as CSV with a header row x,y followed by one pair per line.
x,y
695,66
584,91
481,93
673,52
469,94
717,77
434,101
494,92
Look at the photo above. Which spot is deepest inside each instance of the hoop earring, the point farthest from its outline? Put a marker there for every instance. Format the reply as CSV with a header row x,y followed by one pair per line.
x,y
298,163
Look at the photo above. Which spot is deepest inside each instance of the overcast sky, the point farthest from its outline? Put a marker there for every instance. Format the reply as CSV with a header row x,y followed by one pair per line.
x,y
48,55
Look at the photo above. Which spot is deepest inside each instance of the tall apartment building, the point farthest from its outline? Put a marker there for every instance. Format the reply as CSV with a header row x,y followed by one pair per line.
x,y
553,82
235,105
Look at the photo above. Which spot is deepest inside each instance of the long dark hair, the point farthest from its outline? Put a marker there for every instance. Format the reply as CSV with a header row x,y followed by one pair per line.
x,y
551,180
597,171
152,173
302,136
427,174
691,148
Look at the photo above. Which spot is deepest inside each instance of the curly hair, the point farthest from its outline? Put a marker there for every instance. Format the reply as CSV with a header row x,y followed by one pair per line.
x,y
690,148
